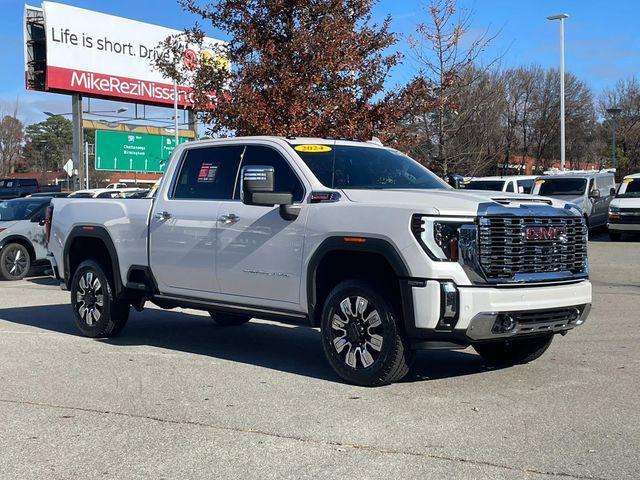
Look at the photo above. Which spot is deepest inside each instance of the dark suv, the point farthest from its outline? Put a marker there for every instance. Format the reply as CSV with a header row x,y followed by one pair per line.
x,y
18,187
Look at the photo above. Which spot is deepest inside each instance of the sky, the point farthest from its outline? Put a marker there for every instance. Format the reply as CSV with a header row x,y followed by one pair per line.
x,y
602,40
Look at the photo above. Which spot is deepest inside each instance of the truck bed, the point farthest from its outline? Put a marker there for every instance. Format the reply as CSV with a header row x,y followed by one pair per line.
x,y
125,220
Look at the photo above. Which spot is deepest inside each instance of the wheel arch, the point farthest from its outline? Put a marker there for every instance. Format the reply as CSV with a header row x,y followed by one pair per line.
x,y
83,237
376,252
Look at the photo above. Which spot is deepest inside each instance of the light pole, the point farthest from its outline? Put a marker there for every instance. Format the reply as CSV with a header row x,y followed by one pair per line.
x,y
614,112
561,17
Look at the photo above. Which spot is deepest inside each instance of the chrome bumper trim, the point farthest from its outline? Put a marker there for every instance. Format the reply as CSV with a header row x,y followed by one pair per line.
x,y
481,326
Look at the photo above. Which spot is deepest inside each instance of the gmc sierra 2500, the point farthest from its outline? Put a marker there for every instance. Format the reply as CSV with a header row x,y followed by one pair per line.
x,y
351,237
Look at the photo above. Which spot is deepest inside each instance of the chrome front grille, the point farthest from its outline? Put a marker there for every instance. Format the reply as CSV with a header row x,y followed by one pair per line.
x,y
507,248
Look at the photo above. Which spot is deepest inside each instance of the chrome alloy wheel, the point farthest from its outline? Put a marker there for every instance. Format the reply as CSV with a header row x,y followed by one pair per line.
x,y
89,298
15,262
356,330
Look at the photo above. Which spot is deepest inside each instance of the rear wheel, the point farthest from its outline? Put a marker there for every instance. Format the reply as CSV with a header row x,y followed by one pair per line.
x,y
615,236
512,352
14,262
229,319
361,338
96,310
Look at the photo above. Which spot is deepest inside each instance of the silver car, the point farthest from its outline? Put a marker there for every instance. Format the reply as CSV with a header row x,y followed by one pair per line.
x,y
22,235
592,192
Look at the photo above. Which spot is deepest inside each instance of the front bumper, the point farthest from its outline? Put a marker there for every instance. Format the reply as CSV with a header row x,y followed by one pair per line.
x,y
481,306
624,227
495,325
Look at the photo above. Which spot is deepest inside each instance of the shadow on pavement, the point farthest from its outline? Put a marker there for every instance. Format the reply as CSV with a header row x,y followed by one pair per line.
x,y
602,236
292,349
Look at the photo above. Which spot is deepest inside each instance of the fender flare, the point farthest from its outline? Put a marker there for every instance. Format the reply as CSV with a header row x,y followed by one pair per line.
x,y
337,243
101,233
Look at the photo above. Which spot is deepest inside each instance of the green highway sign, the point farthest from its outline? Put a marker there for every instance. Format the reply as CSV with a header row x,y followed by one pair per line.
x,y
133,152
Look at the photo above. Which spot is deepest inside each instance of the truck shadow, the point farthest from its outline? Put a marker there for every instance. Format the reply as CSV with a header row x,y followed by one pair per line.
x,y
286,348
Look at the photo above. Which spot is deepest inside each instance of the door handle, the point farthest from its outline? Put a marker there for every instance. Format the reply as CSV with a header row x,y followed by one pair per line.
x,y
160,216
229,219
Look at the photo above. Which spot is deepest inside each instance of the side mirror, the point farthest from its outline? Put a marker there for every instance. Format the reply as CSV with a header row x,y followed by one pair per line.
x,y
612,192
38,219
257,188
595,193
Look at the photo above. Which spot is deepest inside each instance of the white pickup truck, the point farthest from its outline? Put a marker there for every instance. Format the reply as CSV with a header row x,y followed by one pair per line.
x,y
351,237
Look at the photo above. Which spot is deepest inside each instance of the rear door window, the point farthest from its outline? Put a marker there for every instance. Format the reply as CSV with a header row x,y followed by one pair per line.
x,y
208,173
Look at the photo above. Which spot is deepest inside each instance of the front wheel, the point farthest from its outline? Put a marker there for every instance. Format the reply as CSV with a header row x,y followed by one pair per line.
x,y
96,310
14,262
512,352
361,338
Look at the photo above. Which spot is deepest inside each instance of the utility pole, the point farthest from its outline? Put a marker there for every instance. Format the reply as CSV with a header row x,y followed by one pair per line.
x,y
561,17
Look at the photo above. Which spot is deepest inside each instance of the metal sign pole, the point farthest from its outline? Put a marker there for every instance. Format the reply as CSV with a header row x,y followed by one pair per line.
x,y
86,163
76,151
175,111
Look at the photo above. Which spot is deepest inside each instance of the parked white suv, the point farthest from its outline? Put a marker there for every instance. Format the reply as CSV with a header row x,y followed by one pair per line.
x,y
514,183
624,210
351,237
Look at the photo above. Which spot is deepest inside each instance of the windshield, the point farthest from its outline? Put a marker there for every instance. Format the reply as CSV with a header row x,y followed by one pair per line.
x,y
20,208
355,167
630,188
562,186
493,185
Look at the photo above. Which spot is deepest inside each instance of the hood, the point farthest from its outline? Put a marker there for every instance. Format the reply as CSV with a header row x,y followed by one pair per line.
x,y
576,199
631,202
447,202
7,225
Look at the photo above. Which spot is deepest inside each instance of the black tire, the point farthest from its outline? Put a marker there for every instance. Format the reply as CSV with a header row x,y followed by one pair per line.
x,y
89,287
381,355
615,236
229,319
513,352
15,262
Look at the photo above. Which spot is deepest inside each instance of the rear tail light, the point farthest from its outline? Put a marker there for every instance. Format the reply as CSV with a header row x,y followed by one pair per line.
x,y
48,216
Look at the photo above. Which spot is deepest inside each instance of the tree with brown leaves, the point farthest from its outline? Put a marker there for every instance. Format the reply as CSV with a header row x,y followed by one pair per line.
x,y
297,68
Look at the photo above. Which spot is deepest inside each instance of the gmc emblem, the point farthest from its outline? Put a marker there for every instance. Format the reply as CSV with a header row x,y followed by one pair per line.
x,y
546,233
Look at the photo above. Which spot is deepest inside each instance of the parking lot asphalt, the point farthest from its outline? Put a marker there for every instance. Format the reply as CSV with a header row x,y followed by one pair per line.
x,y
177,397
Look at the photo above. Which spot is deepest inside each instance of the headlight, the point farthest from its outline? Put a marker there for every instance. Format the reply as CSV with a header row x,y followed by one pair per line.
x,y
439,236
613,209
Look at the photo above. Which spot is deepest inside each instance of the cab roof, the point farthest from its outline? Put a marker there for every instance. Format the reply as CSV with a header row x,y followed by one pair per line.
x,y
294,141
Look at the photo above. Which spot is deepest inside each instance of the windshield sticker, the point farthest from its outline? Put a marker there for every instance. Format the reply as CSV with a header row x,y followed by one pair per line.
x,y
627,180
312,148
539,182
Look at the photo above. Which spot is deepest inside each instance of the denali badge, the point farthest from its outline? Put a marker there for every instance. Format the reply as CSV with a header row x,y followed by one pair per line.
x,y
546,233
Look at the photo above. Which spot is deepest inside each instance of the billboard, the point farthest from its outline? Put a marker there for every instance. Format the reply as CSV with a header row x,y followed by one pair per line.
x,y
133,152
106,56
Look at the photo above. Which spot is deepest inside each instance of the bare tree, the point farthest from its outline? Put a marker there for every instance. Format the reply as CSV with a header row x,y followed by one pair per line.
x,y
450,69
626,96
11,142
